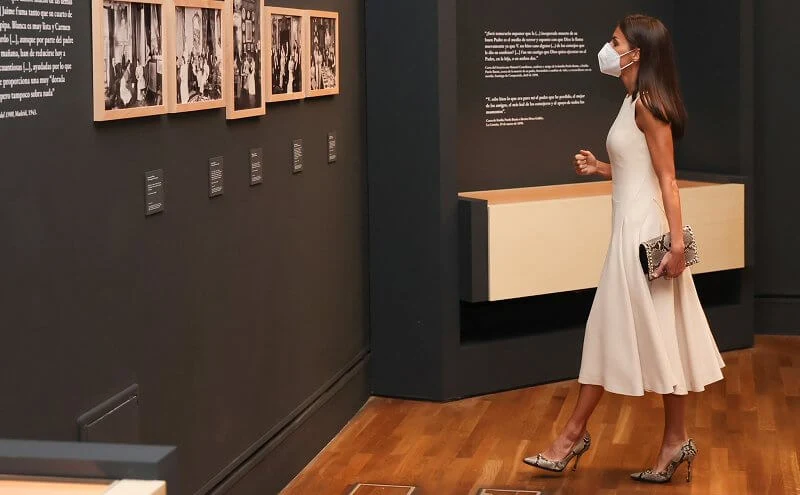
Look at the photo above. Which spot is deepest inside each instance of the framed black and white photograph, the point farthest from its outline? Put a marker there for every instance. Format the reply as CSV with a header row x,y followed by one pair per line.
x,y
128,59
245,76
286,60
196,59
324,68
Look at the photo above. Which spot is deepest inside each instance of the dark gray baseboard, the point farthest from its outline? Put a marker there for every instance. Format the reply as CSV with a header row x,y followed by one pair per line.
x,y
273,461
778,315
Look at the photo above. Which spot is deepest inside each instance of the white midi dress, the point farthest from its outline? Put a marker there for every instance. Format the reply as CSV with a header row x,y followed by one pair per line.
x,y
642,335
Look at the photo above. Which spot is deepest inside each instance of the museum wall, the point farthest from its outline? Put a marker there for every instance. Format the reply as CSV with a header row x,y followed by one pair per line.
x,y
239,317
706,37
777,284
715,64
412,200
536,152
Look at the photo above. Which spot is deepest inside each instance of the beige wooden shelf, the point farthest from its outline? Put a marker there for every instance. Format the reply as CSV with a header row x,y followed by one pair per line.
x,y
558,191
549,239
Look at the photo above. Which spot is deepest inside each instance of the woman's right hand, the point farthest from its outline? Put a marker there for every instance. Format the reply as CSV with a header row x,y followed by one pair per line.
x,y
585,163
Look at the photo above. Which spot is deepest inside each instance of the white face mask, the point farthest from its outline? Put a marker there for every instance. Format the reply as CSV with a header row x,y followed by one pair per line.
x,y
609,60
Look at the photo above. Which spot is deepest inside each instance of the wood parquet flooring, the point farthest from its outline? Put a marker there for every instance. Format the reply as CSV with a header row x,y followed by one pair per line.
x,y
747,429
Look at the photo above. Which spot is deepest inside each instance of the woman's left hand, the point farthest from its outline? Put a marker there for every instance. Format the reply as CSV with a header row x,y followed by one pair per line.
x,y
672,265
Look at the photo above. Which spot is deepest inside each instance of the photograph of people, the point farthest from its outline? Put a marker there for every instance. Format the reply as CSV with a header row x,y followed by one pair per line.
x,y
246,55
286,54
641,335
323,53
133,72
198,55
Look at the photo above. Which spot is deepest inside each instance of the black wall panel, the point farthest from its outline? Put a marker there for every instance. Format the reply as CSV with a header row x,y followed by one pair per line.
x,y
408,293
777,283
539,152
707,42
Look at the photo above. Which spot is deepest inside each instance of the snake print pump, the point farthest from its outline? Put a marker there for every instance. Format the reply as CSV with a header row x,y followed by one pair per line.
x,y
687,453
580,447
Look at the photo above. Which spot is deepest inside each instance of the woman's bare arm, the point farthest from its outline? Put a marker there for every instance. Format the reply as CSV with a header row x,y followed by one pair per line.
x,y
659,141
603,169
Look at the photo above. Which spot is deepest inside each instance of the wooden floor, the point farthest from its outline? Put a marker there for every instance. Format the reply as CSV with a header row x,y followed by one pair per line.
x,y
747,430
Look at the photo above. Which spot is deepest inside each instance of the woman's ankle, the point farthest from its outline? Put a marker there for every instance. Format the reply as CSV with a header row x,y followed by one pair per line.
x,y
574,431
674,439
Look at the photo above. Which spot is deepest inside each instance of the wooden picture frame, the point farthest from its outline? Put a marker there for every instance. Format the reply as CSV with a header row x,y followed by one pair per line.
x,y
127,73
244,80
325,81
277,83
195,73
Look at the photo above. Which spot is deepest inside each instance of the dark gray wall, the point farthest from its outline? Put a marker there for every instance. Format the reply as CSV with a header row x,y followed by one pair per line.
x,y
412,193
233,314
710,54
777,283
539,152
714,59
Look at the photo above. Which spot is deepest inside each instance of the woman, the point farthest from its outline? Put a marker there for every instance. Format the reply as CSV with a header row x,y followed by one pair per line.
x,y
283,68
291,64
125,84
317,67
141,89
251,82
201,75
641,336
184,77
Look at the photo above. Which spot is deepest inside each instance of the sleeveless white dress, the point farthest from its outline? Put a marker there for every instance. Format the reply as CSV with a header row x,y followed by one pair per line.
x,y
641,335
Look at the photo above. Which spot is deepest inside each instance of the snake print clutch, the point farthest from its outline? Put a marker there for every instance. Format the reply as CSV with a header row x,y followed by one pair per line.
x,y
651,252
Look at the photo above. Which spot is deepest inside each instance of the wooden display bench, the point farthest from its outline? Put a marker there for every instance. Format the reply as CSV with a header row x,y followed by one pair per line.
x,y
541,240
63,486
30,467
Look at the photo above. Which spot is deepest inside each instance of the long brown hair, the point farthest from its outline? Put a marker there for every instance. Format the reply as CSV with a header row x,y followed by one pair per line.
x,y
658,73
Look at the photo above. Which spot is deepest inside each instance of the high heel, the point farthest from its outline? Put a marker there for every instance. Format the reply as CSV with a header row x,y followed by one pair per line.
x,y
542,462
577,458
687,452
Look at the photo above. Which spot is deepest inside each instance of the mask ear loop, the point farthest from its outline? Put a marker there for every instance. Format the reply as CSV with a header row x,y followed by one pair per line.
x,y
631,62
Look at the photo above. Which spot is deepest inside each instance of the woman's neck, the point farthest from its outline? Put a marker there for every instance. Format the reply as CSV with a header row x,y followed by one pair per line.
x,y
629,77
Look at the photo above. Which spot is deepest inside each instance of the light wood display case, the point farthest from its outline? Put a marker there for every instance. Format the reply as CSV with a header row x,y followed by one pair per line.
x,y
541,240
65,486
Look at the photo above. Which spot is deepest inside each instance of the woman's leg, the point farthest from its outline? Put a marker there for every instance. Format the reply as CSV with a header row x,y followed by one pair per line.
x,y
674,428
588,397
